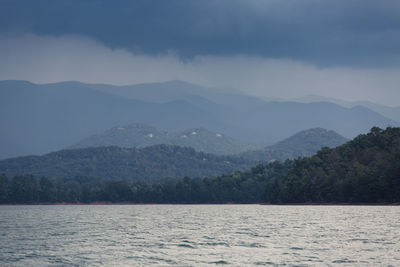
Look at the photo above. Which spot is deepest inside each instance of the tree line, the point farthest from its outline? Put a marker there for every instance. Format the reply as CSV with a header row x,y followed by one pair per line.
x,y
130,164
238,187
364,170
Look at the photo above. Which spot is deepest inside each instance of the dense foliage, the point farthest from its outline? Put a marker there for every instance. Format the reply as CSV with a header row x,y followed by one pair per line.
x,y
247,187
131,164
39,118
364,170
303,144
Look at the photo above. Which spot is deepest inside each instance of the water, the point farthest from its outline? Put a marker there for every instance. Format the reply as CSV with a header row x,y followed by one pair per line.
x,y
199,235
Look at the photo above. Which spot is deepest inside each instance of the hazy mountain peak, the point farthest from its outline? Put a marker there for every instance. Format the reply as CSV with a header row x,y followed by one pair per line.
x,y
13,82
392,112
135,126
315,131
302,144
311,140
46,117
178,83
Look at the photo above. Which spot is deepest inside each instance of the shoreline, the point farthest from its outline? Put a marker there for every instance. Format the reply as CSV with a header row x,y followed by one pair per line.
x,y
105,203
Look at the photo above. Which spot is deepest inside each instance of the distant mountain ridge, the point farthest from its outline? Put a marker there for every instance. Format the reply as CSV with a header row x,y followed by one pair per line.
x,y
302,144
390,112
141,135
40,118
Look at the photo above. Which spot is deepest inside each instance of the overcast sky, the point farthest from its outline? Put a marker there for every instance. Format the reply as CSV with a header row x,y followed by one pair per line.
x,y
343,49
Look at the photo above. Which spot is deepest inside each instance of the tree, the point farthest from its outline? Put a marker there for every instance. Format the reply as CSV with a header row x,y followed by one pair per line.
x,y
47,190
24,189
4,184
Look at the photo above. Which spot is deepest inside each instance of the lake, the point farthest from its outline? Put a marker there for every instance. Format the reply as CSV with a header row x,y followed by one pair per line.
x,y
199,235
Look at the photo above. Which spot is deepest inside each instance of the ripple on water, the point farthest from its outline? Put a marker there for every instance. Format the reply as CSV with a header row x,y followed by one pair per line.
x,y
185,235
185,246
219,262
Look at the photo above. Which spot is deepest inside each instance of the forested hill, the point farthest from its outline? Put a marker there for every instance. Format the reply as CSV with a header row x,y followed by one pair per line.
x,y
40,118
115,163
302,144
142,135
364,170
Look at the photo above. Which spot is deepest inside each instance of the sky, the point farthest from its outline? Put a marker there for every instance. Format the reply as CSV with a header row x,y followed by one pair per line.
x,y
272,48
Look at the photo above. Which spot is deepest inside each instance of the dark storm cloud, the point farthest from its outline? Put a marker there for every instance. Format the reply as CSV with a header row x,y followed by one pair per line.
x,y
324,33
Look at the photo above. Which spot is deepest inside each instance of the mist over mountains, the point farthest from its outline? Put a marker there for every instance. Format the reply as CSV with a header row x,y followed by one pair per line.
x,y
37,119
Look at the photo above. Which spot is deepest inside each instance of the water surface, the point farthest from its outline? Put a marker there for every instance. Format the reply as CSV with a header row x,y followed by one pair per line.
x,y
199,235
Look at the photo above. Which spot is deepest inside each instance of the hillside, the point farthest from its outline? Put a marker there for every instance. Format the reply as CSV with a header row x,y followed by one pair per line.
x,y
142,135
302,144
364,170
132,135
387,111
40,118
131,164
209,142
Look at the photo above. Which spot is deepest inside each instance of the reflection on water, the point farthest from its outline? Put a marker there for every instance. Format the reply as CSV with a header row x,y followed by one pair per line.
x,y
197,235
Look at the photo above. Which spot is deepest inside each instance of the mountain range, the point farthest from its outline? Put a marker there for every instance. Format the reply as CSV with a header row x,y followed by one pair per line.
x,y
40,118
363,170
387,111
301,144
159,161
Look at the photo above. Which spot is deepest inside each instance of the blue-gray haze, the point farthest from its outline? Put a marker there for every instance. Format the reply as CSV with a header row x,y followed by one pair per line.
x,y
38,119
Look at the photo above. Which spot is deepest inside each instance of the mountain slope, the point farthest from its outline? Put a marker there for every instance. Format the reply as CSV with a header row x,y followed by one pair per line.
x,y
364,170
132,135
142,135
302,144
114,163
180,90
37,119
209,142
389,112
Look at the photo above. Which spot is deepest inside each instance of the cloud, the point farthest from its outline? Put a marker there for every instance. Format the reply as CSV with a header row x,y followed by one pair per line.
x,y
44,59
319,32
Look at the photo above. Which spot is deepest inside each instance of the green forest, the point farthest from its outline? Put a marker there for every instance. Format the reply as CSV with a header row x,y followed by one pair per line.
x,y
364,170
130,164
